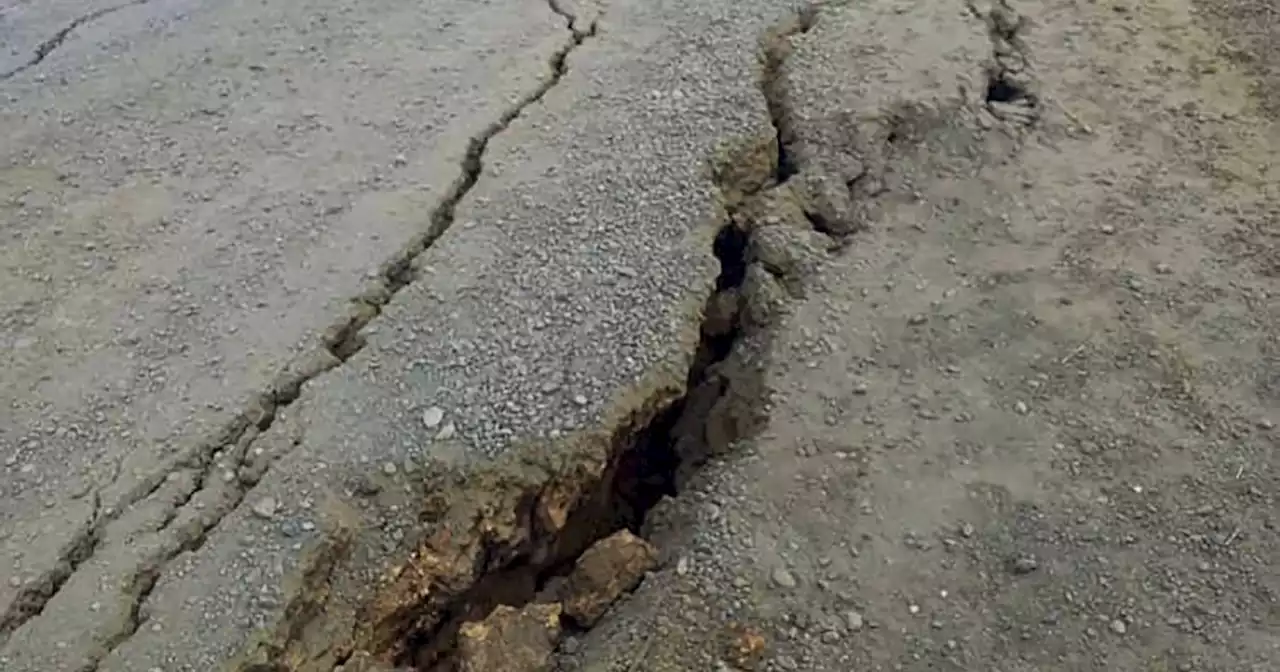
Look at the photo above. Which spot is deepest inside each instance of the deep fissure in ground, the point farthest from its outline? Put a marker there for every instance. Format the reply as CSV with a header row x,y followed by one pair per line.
x,y
645,467
646,464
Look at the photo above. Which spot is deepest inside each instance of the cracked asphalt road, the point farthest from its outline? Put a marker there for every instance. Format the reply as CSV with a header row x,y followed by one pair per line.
x,y
319,313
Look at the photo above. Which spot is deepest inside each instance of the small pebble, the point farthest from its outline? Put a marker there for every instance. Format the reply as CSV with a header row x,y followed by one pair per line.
x,y
265,507
432,417
1118,627
783,579
854,621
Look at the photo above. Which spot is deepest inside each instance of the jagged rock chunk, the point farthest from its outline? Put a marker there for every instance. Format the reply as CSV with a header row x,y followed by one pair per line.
x,y
510,640
608,569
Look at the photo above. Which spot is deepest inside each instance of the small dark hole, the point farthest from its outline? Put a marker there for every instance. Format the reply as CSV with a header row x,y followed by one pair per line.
x,y
730,248
1001,90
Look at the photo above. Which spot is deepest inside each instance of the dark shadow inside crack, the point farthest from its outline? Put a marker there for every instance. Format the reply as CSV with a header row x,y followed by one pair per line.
x,y
819,223
1000,89
730,248
777,48
650,456
647,464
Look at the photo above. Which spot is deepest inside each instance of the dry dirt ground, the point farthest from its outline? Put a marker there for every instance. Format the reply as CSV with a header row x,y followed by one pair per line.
x,y
1025,419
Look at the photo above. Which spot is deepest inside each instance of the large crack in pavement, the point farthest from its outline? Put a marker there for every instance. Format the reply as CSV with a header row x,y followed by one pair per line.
x,y
516,586
208,462
524,534
501,593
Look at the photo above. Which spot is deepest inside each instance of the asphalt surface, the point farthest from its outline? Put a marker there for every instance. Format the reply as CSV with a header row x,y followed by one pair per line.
x,y
305,302
201,201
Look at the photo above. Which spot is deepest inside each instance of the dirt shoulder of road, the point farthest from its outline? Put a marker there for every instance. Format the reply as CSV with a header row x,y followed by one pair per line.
x,y
1026,418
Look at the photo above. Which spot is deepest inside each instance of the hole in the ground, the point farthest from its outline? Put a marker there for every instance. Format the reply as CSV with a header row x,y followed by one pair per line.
x,y
819,224
1002,90
645,468
730,247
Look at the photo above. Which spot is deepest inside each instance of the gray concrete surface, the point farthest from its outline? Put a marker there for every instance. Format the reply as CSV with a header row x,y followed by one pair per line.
x,y
30,31
192,195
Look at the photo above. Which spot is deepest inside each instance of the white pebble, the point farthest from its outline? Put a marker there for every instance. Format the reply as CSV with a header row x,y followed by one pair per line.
x,y
432,417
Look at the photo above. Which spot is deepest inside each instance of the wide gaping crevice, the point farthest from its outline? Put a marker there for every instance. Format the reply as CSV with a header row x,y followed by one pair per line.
x,y
647,461
230,444
1002,89
650,456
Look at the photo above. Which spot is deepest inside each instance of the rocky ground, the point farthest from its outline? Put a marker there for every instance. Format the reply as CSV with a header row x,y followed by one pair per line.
x,y
640,336
1026,419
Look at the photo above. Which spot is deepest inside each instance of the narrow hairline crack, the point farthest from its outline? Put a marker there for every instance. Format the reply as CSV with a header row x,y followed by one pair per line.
x,y
777,47
51,44
341,342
